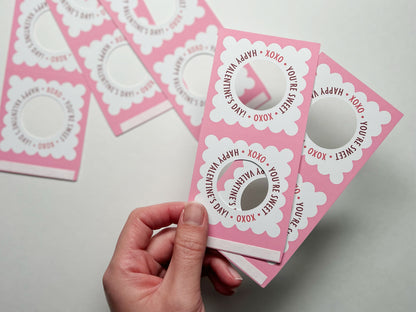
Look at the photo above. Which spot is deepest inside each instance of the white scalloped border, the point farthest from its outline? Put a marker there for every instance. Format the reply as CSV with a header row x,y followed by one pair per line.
x,y
110,90
172,67
305,193
72,103
275,159
372,114
72,12
30,12
280,122
193,106
141,30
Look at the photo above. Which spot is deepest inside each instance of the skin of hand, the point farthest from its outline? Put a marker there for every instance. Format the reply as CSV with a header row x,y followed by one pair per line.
x,y
163,272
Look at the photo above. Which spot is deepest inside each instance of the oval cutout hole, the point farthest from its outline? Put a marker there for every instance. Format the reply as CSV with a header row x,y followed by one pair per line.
x,y
268,74
124,67
161,11
43,117
196,74
331,123
48,35
243,185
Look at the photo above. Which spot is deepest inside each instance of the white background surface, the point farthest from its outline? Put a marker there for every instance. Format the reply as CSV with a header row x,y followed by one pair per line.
x,y
56,238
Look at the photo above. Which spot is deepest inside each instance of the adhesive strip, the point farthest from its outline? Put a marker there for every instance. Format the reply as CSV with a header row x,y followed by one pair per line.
x,y
231,132
94,39
38,74
325,173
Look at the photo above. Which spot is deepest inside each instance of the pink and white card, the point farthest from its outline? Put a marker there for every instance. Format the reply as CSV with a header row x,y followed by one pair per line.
x,y
167,48
126,93
39,80
270,139
325,172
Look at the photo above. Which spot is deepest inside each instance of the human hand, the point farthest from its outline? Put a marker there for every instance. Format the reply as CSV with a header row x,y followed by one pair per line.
x,y
163,272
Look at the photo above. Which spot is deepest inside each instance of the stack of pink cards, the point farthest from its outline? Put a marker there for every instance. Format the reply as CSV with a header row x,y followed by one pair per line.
x,y
166,49
127,94
265,182
263,169
232,132
97,43
37,75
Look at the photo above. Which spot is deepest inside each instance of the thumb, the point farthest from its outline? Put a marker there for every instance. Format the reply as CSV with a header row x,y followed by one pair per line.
x,y
183,276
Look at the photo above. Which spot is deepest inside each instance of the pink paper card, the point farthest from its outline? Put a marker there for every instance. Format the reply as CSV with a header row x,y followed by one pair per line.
x,y
99,48
166,49
270,140
326,172
39,79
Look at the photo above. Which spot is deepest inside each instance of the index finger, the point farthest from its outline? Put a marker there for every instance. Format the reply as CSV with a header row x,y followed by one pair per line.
x,y
138,230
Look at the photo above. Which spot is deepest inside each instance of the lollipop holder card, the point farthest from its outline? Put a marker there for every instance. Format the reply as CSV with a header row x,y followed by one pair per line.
x,y
126,93
169,48
44,102
263,140
328,164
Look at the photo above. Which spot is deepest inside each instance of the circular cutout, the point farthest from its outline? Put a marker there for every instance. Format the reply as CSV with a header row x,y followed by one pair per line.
x,y
268,74
331,123
196,74
161,11
124,67
242,185
48,35
254,194
43,117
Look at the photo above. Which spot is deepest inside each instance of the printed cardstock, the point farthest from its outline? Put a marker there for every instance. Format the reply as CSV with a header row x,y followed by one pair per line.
x,y
93,38
271,140
34,72
166,49
325,173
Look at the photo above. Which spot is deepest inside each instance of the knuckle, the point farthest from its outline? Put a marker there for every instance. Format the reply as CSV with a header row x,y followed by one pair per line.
x,y
122,266
130,262
191,243
135,215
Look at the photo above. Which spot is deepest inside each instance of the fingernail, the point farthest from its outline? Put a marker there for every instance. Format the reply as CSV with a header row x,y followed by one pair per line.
x,y
193,214
235,274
